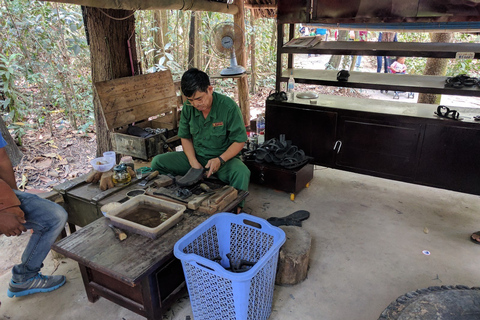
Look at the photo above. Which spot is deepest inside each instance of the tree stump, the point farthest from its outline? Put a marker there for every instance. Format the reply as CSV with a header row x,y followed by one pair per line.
x,y
293,256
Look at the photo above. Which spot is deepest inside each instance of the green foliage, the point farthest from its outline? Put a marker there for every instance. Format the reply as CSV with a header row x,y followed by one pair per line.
x,y
416,65
49,42
11,97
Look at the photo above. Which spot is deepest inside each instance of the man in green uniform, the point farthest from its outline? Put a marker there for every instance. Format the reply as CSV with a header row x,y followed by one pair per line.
x,y
212,134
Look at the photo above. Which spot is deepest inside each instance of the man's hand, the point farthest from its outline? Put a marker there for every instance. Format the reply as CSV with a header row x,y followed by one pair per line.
x,y
213,165
11,222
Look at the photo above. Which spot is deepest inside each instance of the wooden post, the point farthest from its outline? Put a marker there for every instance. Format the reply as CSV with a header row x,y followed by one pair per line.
x,y
253,80
242,82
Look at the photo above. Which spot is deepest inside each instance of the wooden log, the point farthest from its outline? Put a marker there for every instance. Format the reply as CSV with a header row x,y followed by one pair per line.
x,y
293,256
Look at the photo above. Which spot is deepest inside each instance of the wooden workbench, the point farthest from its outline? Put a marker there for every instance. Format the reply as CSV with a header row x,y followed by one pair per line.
x,y
139,273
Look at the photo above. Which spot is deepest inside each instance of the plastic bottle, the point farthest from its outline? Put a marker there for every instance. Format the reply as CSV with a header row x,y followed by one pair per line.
x,y
261,128
291,86
128,161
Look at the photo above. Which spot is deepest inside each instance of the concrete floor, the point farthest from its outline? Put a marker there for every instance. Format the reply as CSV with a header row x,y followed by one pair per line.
x,y
368,237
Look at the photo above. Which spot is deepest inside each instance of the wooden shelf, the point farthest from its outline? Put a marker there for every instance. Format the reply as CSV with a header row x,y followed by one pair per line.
x,y
403,49
379,81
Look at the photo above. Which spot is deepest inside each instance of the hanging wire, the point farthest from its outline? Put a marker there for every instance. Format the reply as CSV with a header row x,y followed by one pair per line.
x,y
118,19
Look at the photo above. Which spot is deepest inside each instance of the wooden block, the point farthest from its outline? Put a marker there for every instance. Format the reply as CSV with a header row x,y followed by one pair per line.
x,y
162,181
206,209
227,200
220,194
195,203
293,256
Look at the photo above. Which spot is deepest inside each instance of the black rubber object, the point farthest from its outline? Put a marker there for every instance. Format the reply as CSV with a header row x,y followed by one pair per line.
x,y
445,302
191,177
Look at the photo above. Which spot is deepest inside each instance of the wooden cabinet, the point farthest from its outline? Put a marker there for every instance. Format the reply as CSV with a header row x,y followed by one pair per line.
x,y
304,126
401,141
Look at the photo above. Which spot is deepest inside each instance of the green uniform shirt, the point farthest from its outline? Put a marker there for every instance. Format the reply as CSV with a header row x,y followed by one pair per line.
x,y
213,135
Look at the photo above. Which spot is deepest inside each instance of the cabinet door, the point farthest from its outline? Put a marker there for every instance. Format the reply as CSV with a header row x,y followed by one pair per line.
x,y
313,131
450,158
381,148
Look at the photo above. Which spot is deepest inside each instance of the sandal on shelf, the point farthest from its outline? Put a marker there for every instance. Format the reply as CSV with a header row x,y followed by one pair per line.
x,y
292,163
445,112
260,153
343,75
276,160
268,158
291,151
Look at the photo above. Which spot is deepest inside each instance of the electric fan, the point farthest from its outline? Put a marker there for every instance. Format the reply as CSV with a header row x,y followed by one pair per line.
x,y
227,39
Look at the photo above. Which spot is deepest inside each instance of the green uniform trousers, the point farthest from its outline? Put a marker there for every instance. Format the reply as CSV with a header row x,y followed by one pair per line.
x,y
234,172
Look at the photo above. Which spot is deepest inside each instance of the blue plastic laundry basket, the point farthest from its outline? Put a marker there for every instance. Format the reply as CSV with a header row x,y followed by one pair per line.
x,y
220,294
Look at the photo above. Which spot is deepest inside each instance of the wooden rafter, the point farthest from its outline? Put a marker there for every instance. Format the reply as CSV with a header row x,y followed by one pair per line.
x,y
193,5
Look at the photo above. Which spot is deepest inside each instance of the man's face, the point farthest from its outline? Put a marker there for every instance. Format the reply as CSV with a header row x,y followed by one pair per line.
x,y
202,101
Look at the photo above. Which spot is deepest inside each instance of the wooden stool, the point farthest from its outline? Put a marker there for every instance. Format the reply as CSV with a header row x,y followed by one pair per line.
x,y
293,256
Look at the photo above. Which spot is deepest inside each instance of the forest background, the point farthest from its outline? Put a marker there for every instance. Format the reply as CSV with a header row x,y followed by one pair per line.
x,y
46,87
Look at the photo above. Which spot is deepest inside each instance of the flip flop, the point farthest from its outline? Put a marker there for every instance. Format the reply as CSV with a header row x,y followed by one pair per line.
x,y
293,219
297,215
191,177
473,240
260,153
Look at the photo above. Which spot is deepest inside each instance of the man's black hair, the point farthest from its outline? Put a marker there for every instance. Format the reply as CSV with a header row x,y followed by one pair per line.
x,y
194,80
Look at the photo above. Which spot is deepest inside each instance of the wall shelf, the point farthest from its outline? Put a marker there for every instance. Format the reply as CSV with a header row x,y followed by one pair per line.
x,y
379,81
403,49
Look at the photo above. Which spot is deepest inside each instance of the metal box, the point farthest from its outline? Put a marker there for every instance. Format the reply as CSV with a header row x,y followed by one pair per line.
x,y
84,200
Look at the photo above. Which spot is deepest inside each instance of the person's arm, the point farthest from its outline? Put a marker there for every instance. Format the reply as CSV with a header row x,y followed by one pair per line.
x,y
187,145
11,216
214,164
6,169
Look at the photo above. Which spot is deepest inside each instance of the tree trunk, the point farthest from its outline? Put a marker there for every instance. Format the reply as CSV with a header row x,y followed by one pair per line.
x,y
242,83
253,80
198,53
334,61
158,36
191,41
111,36
13,152
435,67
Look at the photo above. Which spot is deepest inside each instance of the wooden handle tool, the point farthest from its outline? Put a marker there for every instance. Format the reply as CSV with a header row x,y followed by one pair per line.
x,y
118,233
148,178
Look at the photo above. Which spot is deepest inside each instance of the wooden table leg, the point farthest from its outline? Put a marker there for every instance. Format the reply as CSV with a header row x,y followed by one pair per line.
x,y
151,298
86,282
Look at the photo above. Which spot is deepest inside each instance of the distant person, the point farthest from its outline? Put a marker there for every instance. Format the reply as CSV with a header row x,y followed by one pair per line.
x,y
363,37
398,66
20,211
322,33
385,37
303,30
